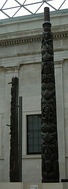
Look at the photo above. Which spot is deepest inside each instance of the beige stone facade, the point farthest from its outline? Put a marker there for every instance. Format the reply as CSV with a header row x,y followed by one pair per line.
x,y
20,55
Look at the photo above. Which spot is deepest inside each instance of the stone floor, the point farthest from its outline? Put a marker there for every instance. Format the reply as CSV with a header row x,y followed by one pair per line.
x,y
33,186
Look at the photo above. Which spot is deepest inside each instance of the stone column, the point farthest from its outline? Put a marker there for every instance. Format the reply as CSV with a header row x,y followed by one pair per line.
x,y
49,144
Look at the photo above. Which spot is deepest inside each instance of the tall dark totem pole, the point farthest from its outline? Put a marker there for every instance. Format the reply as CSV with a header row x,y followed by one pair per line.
x,y
14,163
49,146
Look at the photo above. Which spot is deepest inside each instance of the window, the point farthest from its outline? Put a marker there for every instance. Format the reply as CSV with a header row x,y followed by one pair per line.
x,y
33,134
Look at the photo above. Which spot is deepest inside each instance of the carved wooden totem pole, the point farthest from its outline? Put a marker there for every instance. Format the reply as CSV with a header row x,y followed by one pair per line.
x,y
14,168
49,146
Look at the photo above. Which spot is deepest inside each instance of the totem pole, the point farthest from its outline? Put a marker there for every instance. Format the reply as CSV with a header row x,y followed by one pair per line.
x,y
49,143
14,167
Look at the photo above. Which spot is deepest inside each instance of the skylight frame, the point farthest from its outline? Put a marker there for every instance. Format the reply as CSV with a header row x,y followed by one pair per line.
x,y
25,4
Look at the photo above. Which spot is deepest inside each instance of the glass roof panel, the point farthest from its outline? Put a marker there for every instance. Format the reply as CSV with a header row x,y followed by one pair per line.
x,y
21,12
10,12
20,1
57,5
31,1
14,8
1,3
2,15
42,8
65,5
10,3
33,7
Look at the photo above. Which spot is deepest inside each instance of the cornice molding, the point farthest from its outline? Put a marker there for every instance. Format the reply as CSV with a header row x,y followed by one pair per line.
x,y
31,39
60,35
20,41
